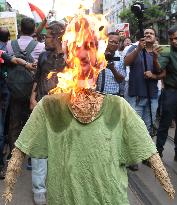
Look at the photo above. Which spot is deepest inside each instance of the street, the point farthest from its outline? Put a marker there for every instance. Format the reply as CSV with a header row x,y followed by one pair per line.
x,y
144,189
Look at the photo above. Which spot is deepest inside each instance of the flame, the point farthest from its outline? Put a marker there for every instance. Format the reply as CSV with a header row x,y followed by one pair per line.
x,y
86,32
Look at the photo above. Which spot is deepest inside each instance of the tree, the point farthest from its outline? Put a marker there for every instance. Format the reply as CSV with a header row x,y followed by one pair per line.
x,y
152,14
1,8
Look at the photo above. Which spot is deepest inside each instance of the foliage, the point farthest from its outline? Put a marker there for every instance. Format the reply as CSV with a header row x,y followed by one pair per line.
x,y
1,8
152,14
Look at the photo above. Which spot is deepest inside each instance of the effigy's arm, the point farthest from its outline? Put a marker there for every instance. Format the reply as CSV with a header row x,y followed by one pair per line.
x,y
13,171
161,174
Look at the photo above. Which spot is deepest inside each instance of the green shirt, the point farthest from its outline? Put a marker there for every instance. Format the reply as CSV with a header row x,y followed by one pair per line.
x,y
86,162
168,61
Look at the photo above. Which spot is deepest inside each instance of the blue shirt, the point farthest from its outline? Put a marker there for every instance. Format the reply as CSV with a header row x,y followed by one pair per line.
x,y
111,86
137,82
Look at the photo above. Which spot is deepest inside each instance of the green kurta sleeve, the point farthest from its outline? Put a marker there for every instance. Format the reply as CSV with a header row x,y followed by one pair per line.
x,y
33,138
137,143
164,60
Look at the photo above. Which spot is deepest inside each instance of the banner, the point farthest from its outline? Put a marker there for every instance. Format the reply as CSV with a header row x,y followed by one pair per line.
x,y
9,20
123,29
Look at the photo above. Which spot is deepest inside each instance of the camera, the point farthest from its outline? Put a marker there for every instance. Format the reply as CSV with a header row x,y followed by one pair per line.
x,y
138,9
110,57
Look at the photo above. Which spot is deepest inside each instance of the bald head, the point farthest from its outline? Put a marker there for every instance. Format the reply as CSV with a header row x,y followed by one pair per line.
x,y
4,34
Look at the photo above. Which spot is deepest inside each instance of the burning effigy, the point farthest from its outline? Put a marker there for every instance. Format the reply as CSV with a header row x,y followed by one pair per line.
x,y
88,137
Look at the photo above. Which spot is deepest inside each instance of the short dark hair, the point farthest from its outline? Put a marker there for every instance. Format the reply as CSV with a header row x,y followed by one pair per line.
x,y
57,28
113,33
27,26
172,30
4,34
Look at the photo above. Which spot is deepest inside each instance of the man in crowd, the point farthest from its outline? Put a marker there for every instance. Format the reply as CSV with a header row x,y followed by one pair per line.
x,y
19,110
168,62
143,90
4,96
52,60
5,62
110,78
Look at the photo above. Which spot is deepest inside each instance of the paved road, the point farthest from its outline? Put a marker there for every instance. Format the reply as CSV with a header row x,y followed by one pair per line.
x,y
144,189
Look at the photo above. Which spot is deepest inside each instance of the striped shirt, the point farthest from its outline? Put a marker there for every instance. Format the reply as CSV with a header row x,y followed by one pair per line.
x,y
111,86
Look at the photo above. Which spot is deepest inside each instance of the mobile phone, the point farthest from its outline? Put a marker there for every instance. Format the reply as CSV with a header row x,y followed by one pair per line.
x,y
164,49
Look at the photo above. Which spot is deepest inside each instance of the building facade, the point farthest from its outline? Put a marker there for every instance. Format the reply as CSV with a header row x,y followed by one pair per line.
x,y
112,9
98,7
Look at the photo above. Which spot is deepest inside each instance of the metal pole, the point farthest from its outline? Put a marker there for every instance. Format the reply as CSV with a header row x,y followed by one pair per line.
x,y
53,6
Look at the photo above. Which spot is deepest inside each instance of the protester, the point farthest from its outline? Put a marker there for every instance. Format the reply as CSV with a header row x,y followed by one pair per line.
x,y
88,137
126,42
19,109
4,91
110,78
138,96
142,89
123,43
4,96
52,60
168,62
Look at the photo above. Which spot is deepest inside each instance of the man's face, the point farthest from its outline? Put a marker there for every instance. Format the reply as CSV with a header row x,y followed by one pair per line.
x,y
87,56
127,42
173,40
50,43
149,35
113,43
122,34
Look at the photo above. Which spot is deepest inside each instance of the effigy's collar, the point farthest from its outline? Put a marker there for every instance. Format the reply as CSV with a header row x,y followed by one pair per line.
x,y
85,105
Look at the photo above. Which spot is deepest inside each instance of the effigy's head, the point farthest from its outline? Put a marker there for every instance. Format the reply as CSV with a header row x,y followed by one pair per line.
x,y
81,47
84,44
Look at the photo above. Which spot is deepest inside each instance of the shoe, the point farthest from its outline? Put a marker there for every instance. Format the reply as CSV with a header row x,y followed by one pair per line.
x,y
29,166
160,154
40,199
9,157
133,167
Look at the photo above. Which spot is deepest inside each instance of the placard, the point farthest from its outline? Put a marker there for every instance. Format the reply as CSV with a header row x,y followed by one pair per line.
x,y
9,20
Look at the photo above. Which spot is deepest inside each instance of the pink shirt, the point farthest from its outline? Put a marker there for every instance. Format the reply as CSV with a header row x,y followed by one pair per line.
x,y
23,41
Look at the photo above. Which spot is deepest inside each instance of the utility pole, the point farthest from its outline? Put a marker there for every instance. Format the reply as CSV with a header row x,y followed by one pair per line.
x,y
53,6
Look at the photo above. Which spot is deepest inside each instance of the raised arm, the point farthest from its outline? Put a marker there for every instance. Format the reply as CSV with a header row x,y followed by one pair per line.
x,y
130,58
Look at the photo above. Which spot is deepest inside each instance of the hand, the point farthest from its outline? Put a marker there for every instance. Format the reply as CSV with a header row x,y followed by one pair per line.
x,y
149,75
110,65
33,103
34,64
50,16
156,50
31,66
142,44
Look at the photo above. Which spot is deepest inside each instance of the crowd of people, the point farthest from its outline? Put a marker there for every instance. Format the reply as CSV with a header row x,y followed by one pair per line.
x,y
133,72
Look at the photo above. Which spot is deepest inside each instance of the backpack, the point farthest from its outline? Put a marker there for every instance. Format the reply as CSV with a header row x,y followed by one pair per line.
x,y
20,79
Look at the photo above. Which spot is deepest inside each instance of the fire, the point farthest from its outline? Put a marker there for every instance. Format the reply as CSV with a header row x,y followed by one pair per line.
x,y
88,32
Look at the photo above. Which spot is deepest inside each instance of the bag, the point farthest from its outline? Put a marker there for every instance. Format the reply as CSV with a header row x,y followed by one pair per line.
x,y
20,79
